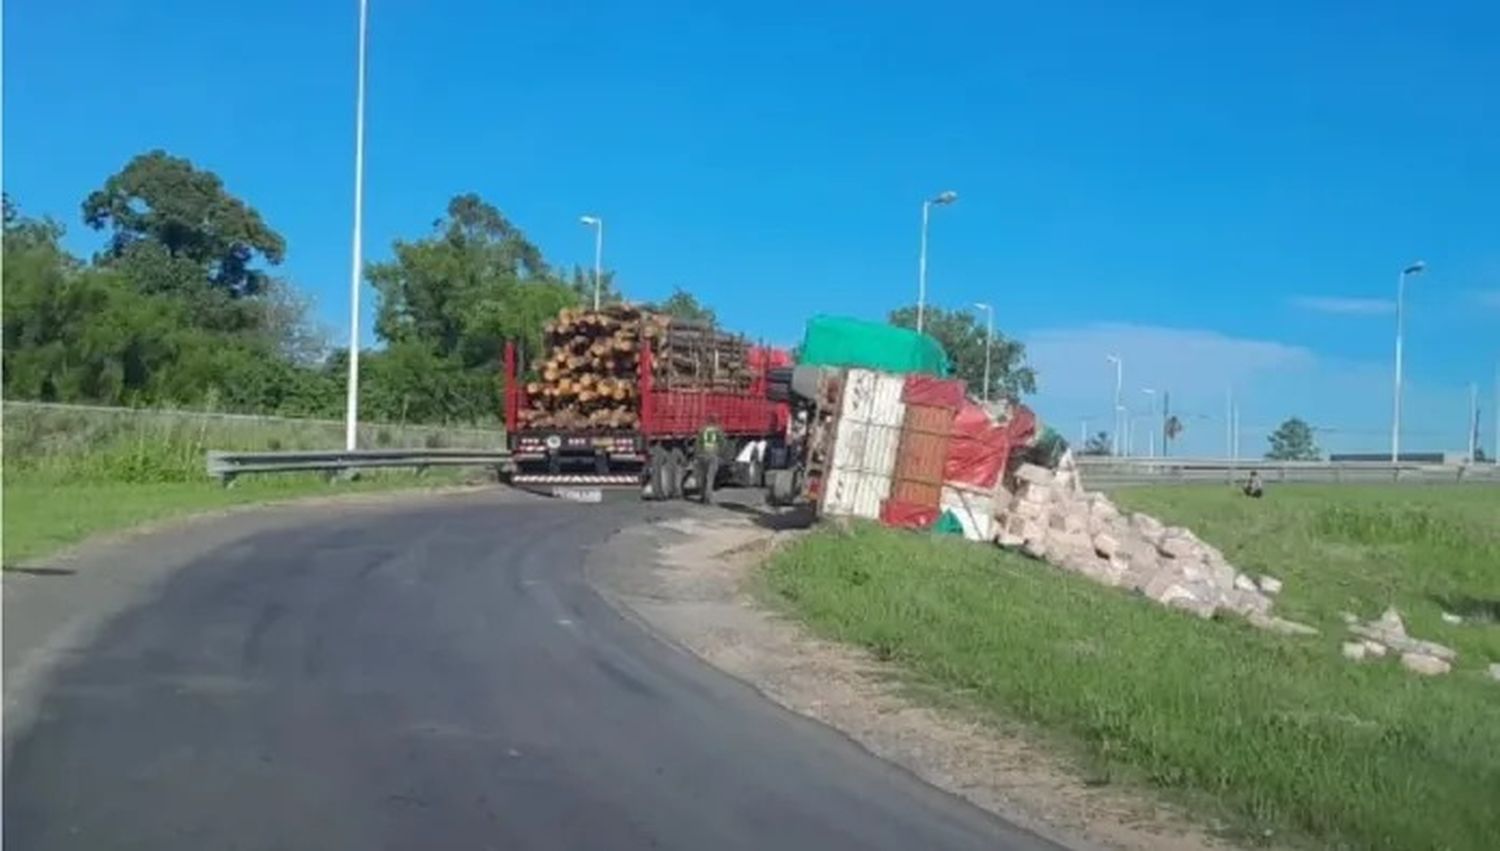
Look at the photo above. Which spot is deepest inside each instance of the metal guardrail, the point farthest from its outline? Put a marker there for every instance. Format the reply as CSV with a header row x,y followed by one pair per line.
x,y
225,466
1106,472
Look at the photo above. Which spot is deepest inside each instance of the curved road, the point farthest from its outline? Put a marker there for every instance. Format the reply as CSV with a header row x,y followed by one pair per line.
x,y
409,674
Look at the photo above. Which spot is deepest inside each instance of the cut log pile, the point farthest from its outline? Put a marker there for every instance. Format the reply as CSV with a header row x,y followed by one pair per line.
x,y
588,377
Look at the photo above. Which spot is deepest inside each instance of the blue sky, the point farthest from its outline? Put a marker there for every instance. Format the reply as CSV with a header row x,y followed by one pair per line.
x,y
1222,194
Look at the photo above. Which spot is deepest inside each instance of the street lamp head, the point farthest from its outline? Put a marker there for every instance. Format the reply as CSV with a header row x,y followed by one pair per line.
x,y
946,197
1416,268
1112,358
591,221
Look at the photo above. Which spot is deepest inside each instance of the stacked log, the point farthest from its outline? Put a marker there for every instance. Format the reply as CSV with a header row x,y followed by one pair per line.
x,y
588,377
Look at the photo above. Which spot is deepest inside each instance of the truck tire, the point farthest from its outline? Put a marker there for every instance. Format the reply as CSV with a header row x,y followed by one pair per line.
x,y
677,467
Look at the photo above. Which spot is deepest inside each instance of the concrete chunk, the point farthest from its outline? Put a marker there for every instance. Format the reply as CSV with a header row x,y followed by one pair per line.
x,y
1355,650
1106,545
1272,623
1035,475
1427,666
1270,584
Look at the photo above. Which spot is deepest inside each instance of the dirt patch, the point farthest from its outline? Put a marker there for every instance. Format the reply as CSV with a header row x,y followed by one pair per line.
x,y
696,593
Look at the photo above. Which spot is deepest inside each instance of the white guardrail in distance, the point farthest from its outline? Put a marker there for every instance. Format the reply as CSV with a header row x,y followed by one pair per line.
x,y
225,466
1105,472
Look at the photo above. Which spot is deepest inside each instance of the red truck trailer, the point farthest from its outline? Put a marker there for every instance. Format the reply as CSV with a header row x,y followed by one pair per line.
x,y
658,453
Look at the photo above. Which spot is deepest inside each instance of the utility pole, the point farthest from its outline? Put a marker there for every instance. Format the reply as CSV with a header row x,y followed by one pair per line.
x,y
1120,419
1229,422
1473,420
1166,438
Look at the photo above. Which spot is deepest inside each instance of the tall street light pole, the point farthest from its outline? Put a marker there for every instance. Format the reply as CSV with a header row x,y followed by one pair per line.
x,y
1414,269
989,343
947,197
1119,386
356,263
598,225
1150,411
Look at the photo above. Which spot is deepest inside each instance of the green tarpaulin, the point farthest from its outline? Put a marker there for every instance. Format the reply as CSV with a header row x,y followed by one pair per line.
x,y
841,341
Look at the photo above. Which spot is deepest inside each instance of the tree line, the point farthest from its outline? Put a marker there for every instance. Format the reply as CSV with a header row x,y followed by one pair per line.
x,y
182,306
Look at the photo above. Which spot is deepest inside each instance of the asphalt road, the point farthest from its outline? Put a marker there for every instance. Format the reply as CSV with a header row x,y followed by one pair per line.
x,y
433,674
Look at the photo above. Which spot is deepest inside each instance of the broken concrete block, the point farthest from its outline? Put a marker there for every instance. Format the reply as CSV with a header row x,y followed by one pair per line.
x,y
1245,583
1355,650
1374,648
1076,523
1247,602
1034,475
1425,665
1148,526
1270,584
1036,547
1280,625
1177,546
1495,671
1390,622
1106,545
1404,643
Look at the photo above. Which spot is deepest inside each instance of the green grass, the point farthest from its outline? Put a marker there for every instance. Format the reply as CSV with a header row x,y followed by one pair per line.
x,y
1273,733
71,473
42,517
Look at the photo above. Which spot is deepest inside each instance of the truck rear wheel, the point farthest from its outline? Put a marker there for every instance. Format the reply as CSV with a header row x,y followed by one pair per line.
x,y
677,472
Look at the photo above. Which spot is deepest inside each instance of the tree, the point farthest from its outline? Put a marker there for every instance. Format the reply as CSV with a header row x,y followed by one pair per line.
x,y
963,335
682,304
466,289
1293,441
1097,445
172,219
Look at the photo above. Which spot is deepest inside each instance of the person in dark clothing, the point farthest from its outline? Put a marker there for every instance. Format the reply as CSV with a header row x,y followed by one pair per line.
x,y
710,445
1253,487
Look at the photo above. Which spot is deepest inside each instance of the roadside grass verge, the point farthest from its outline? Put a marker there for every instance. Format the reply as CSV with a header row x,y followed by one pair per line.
x,y
71,473
1278,734
42,517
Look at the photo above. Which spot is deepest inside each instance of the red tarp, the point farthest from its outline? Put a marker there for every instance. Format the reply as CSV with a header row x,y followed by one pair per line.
x,y
930,390
980,447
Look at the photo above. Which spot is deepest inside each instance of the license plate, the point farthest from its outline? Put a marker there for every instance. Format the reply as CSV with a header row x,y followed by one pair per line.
x,y
579,494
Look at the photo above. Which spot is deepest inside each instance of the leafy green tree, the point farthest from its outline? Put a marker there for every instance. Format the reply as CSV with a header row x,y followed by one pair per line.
x,y
963,335
682,304
173,225
466,289
1097,444
1293,441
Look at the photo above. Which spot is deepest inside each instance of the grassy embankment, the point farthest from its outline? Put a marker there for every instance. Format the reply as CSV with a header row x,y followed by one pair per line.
x,y
70,473
1276,736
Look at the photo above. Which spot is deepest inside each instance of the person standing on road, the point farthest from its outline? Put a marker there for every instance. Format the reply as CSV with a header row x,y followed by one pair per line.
x,y
710,444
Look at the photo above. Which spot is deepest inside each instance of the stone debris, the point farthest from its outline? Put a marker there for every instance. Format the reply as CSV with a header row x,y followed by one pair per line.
x,y
1355,650
1387,633
1421,663
1495,671
1049,516
1270,585
1281,625
1449,617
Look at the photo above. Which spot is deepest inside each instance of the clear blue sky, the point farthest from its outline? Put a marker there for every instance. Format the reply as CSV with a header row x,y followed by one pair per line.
x,y
1223,194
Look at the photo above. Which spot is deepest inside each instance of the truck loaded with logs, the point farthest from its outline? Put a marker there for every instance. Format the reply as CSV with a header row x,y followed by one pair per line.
x,y
620,395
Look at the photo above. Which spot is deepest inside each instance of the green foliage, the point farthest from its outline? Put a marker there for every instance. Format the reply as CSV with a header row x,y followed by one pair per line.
x,y
682,304
466,289
963,335
163,213
1279,735
1293,441
1098,444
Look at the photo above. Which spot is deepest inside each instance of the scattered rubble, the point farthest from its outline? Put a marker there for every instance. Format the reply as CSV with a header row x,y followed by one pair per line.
x,y
1388,633
1495,671
1049,516
1424,664
1355,650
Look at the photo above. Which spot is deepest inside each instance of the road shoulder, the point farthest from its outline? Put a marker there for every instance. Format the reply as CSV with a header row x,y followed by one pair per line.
x,y
696,593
